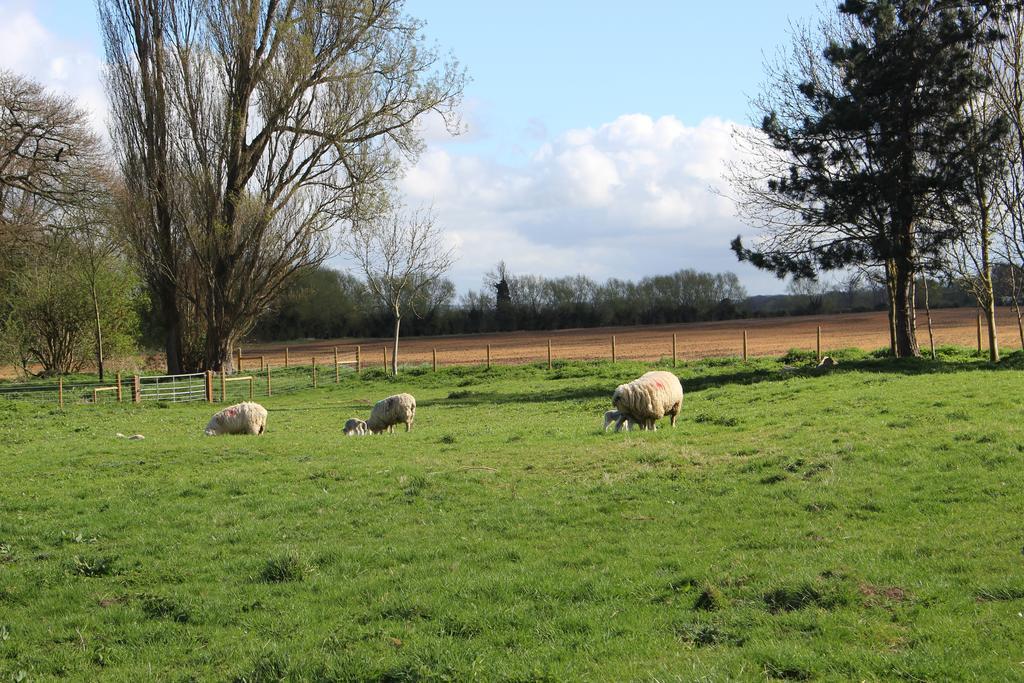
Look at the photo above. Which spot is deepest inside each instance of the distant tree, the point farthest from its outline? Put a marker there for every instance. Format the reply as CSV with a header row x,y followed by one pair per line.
x,y
400,253
811,291
60,300
865,133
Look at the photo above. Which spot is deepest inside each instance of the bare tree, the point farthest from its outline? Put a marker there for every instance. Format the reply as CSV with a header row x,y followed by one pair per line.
x,y
48,153
249,133
401,253
1004,62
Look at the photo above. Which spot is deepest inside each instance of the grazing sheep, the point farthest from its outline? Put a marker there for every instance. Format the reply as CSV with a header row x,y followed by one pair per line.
x,y
355,427
648,398
243,418
390,411
614,416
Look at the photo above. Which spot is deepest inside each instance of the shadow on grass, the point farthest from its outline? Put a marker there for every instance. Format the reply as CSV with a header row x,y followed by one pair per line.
x,y
698,376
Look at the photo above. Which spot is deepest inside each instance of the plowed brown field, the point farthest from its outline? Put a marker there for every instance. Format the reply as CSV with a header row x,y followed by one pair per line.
x,y
765,337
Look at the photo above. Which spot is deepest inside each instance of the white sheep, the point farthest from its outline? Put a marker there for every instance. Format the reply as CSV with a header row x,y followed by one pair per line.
x,y
614,416
242,418
390,411
355,427
648,398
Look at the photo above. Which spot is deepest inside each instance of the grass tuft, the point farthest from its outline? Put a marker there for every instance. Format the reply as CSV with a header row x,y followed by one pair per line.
x,y
92,566
788,598
283,568
162,607
710,599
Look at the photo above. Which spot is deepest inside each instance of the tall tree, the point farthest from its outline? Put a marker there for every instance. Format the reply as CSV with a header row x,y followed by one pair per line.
x,y
248,133
401,253
865,136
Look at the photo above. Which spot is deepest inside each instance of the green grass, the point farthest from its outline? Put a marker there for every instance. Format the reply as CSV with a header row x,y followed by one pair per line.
x,y
863,523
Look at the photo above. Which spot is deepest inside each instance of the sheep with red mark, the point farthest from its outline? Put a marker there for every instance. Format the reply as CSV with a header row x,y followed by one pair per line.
x,y
242,418
647,399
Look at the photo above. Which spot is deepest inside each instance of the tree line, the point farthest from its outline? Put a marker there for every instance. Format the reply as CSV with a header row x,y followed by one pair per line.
x,y
324,303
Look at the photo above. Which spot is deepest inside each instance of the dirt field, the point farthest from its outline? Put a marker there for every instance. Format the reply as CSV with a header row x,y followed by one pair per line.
x,y
771,337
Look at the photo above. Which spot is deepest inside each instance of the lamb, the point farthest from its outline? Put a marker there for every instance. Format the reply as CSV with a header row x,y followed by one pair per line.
x,y
242,418
355,427
648,398
614,416
391,411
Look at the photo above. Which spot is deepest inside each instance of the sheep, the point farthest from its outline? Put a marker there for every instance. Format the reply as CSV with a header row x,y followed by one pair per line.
x,y
648,398
242,418
614,416
390,411
355,427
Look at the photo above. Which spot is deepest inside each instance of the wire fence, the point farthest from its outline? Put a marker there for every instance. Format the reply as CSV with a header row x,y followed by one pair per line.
x,y
256,379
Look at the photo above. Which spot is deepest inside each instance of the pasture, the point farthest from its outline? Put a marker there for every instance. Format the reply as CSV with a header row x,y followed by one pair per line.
x,y
858,524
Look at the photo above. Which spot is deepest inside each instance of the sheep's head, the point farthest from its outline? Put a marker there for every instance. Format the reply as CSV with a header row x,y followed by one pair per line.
x,y
617,396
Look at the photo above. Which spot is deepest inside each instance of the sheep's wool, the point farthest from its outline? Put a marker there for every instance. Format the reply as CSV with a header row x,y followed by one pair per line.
x,y
242,418
393,410
649,398
355,427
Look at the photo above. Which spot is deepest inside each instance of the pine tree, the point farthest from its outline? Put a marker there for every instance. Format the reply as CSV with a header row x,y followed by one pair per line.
x,y
877,139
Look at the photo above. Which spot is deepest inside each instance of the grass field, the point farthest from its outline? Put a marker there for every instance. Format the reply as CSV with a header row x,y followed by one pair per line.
x,y
862,524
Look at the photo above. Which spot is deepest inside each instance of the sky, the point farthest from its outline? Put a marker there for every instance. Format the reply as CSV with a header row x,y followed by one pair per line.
x,y
596,133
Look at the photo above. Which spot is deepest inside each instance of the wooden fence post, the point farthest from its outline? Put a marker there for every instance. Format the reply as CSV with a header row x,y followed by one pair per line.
x,y
613,348
263,363
385,350
435,360
314,372
549,354
269,392
209,386
60,391
488,356
359,360
286,358
118,387
136,389
337,368
744,346
239,359
223,386
674,355
252,381
818,346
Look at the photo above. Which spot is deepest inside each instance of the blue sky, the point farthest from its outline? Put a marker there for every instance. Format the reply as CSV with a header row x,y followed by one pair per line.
x,y
595,129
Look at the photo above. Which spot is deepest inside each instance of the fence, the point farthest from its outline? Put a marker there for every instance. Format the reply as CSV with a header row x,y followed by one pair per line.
x,y
257,376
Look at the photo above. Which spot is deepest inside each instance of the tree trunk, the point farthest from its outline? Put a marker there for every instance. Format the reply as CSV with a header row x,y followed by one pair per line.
x,y
989,291
928,314
99,330
906,325
172,332
394,356
219,344
890,286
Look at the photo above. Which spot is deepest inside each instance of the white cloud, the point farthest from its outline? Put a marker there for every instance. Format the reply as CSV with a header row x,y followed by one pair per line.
x,y
630,198
30,49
